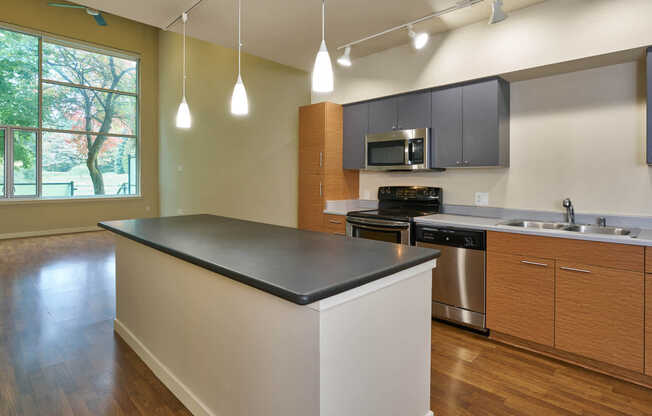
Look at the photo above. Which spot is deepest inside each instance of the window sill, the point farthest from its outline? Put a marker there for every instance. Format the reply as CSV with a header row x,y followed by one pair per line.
x,y
46,201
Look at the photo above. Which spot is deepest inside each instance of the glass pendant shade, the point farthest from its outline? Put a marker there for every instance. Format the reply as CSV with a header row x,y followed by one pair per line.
x,y
239,102
322,73
184,121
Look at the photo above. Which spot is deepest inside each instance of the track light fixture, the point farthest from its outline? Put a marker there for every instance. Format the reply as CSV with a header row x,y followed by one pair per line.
x,y
419,40
497,12
345,59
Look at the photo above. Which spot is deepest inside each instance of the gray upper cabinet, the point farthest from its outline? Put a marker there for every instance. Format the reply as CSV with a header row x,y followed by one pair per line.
x,y
471,125
413,111
446,145
355,123
485,123
649,108
383,115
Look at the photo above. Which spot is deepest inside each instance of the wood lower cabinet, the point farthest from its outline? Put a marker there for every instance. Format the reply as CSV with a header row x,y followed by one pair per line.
x,y
335,224
521,296
648,324
599,314
321,176
648,259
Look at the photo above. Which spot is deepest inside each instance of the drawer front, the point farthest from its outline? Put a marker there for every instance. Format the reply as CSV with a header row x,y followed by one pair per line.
x,y
335,224
648,259
521,296
615,256
599,314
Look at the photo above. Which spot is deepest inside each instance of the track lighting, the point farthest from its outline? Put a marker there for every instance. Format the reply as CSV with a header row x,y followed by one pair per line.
x,y
419,40
239,101
322,73
497,12
184,121
345,59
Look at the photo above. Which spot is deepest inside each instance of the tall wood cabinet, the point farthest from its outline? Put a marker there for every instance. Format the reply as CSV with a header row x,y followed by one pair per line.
x,y
321,175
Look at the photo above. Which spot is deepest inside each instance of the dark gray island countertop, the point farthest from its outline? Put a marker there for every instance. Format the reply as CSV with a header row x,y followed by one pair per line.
x,y
296,265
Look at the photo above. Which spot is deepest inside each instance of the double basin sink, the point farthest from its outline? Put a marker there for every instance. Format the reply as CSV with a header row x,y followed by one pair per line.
x,y
575,228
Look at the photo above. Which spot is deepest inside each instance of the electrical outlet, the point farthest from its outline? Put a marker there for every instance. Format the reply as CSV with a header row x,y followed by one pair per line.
x,y
482,199
180,211
179,168
148,208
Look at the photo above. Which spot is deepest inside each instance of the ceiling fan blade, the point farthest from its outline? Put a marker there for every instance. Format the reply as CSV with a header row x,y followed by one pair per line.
x,y
100,20
70,6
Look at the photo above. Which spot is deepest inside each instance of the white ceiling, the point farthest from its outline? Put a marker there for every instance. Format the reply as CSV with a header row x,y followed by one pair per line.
x,y
288,31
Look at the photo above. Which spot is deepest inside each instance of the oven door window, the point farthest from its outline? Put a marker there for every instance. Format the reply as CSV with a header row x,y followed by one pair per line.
x,y
393,236
386,153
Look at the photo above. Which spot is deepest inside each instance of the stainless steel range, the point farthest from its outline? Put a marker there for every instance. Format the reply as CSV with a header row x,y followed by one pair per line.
x,y
393,221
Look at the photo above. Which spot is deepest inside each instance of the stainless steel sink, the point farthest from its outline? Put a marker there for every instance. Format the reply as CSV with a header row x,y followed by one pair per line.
x,y
596,229
574,228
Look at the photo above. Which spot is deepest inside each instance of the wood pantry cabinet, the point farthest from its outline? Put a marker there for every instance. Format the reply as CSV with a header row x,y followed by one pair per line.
x,y
321,176
581,301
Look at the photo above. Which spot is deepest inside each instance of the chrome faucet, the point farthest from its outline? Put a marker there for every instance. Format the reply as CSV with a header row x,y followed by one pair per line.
x,y
570,211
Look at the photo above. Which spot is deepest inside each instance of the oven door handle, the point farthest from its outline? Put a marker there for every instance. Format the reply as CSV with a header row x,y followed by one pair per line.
x,y
373,225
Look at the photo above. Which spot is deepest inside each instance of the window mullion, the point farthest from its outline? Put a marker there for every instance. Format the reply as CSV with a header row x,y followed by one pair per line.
x,y
39,134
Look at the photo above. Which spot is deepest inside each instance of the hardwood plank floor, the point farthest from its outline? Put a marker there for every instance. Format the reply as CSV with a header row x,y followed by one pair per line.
x,y
60,356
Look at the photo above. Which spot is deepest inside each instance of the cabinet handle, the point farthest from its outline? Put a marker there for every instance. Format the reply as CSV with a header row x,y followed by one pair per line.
x,y
570,269
320,190
321,159
534,263
335,222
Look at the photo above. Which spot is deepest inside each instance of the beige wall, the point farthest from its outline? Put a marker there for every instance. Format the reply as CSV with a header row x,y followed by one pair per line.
x,y
578,134
238,167
19,218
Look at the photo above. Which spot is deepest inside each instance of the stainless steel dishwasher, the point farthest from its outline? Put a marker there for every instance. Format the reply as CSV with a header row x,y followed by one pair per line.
x,y
458,281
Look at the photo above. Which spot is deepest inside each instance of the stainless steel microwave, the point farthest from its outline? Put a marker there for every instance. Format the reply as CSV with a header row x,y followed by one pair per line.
x,y
397,150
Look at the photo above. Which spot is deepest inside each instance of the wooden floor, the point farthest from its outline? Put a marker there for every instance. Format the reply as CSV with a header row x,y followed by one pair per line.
x,y
59,355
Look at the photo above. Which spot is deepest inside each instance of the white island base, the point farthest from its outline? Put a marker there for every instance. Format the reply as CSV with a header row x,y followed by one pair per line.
x,y
227,349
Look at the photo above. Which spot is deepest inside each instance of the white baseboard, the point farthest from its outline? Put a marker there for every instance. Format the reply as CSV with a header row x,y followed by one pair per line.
x,y
180,390
42,233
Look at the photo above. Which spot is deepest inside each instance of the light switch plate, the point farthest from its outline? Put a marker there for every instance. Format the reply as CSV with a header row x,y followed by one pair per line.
x,y
179,168
482,199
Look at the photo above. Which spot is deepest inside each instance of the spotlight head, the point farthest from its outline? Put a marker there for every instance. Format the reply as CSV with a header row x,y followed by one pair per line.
x,y
497,12
345,59
419,40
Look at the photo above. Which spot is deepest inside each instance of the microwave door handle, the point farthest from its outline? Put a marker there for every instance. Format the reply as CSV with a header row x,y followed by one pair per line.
x,y
410,152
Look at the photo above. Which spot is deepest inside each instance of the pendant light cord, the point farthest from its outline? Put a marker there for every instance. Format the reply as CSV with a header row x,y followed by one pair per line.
x,y
239,41
185,19
323,23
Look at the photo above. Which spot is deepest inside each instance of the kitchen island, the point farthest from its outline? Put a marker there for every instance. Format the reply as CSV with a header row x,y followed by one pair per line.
x,y
244,318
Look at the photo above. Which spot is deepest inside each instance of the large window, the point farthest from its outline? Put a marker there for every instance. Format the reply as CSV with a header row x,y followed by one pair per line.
x,y
68,119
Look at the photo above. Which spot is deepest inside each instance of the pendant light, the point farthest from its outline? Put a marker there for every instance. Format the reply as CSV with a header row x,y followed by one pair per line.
x,y
184,121
322,73
239,102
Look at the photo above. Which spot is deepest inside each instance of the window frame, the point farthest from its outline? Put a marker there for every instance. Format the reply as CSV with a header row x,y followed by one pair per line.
x,y
5,195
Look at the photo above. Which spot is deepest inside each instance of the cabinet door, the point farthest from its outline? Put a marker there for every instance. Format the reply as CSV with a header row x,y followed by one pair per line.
x,y
414,111
599,314
311,202
446,145
521,296
382,115
356,122
648,324
480,129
